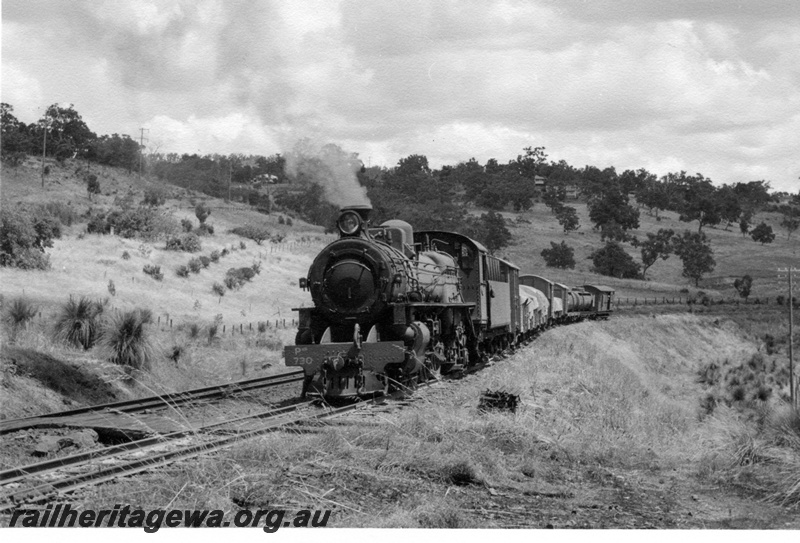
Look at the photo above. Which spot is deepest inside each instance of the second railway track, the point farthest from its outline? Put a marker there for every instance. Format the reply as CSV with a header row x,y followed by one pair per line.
x,y
140,405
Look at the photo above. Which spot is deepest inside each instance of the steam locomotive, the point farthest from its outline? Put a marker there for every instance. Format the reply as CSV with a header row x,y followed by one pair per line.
x,y
391,304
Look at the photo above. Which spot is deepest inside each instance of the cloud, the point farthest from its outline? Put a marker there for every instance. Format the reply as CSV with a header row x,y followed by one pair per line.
x,y
702,86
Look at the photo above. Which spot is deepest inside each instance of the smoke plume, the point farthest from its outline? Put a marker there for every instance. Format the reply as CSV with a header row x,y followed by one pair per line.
x,y
329,166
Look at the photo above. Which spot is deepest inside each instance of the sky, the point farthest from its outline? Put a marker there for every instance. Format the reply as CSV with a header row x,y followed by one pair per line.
x,y
703,86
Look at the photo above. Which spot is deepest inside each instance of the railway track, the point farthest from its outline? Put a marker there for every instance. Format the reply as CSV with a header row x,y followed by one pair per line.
x,y
141,455
157,453
141,405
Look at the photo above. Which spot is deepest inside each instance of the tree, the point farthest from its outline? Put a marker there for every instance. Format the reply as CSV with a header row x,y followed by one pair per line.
x,y
612,260
492,231
658,245
695,252
744,224
14,140
611,213
67,132
763,233
700,202
559,255
743,286
202,212
92,185
568,218
791,219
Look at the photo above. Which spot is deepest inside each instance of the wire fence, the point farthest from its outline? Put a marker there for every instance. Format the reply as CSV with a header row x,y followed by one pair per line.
x,y
689,300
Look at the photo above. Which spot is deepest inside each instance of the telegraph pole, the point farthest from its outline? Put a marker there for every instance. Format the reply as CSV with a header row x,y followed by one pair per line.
x,y
792,385
44,148
141,150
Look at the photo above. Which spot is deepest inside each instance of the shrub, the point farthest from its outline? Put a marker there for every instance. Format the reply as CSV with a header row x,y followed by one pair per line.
x,y
189,243
256,232
126,255
256,267
92,185
187,225
242,245
19,313
204,261
236,277
98,224
559,255
128,341
112,288
202,212
62,212
194,330
288,221
24,237
205,229
612,260
281,220
78,322
218,289
277,238
154,197
182,271
224,252
214,256
153,271
195,265
262,326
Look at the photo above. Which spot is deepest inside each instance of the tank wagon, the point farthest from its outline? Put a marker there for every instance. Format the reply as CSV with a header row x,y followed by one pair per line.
x,y
391,304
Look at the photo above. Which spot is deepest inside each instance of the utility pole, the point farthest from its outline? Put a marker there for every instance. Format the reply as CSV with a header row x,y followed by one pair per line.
x,y
141,149
792,385
44,147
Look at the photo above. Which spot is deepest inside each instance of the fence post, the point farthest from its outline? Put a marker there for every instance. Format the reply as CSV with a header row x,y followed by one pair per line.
x,y
223,328
240,327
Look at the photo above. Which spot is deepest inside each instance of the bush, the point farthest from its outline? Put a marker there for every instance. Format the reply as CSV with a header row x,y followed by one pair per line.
x,y
612,260
559,256
154,197
98,224
204,261
187,225
281,220
78,322
92,185
126,255
112,288
257,233
202,212
224,252
153,271
195,266
128,341
205,229
236,277
24,237
189,243
214,256
182,271
64,213
218,289
242,245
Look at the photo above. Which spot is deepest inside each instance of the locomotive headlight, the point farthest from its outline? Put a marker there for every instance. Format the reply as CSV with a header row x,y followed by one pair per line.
x,y
348,223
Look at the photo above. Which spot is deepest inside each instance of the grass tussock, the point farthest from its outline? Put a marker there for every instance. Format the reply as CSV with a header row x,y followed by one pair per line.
x,y
17,315
78,322
128,339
